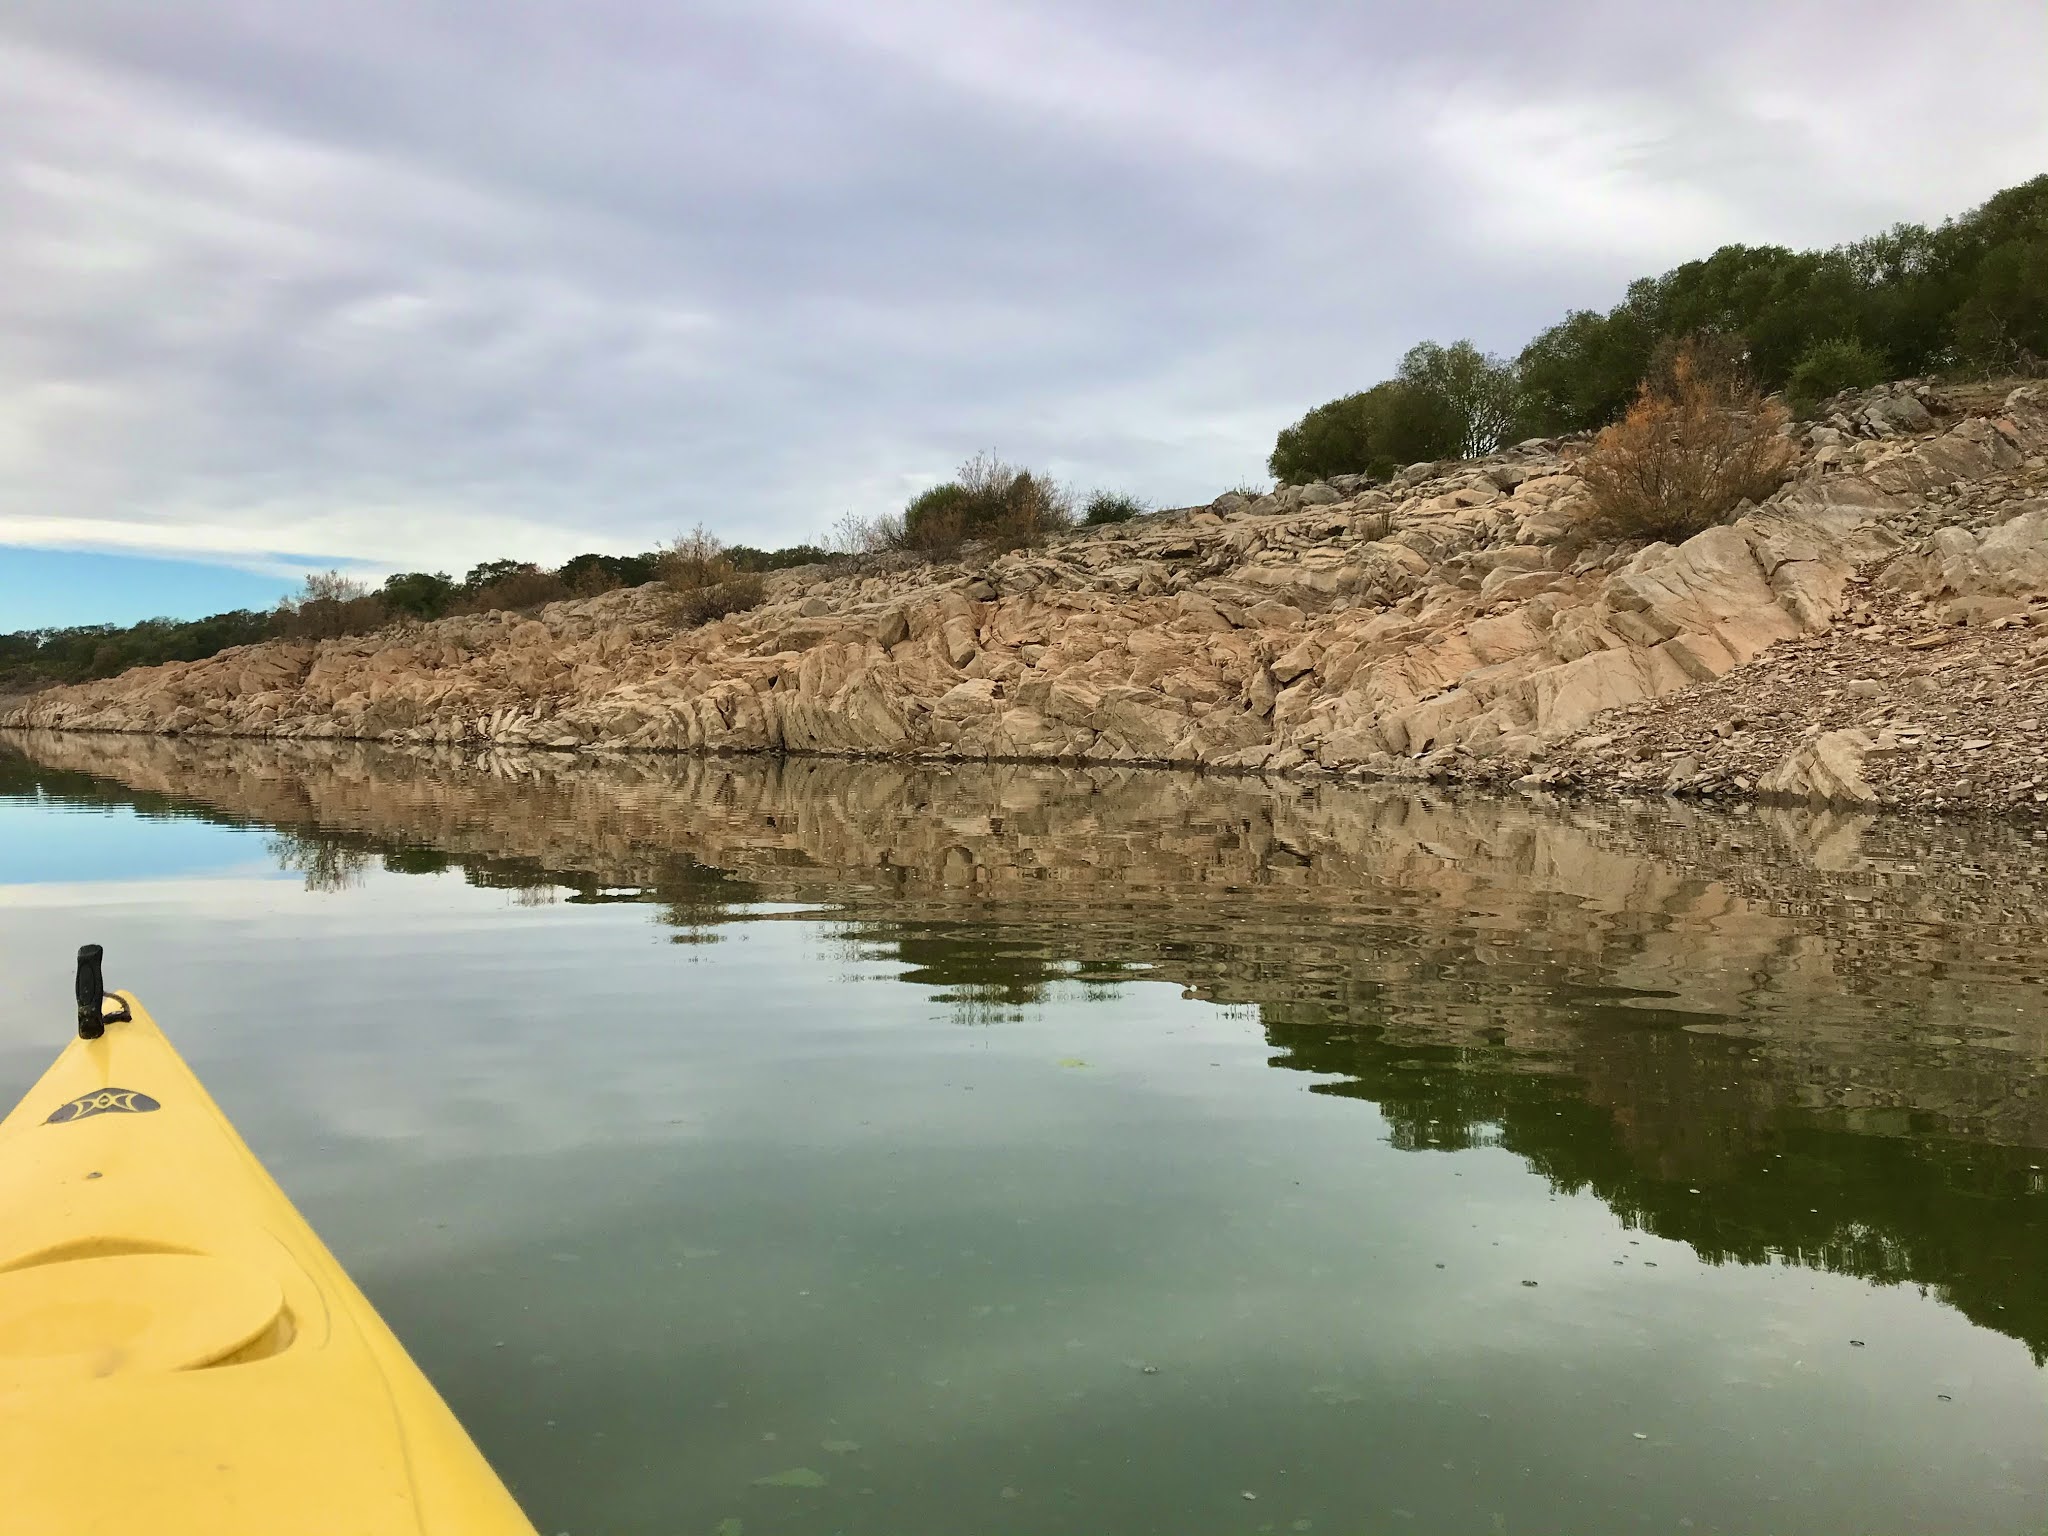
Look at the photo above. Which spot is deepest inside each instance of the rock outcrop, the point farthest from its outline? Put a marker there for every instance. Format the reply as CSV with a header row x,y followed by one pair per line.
x,y
1447,624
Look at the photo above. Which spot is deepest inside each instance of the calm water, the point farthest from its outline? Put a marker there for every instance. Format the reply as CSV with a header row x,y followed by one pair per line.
x,y
815,1147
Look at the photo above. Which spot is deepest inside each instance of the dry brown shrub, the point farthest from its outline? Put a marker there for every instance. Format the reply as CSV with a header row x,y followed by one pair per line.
x,y
693,561
1696,444
328,606
527,588
702,581
936,535
737,594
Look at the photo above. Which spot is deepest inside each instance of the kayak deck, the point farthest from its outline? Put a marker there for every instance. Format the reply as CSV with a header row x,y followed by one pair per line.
x,y
179,1352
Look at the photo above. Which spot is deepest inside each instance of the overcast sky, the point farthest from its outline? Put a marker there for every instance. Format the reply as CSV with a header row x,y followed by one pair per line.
x,y
392,284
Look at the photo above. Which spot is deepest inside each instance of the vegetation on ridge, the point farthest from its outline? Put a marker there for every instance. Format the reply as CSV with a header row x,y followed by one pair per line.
x,y
1969,296
1698,443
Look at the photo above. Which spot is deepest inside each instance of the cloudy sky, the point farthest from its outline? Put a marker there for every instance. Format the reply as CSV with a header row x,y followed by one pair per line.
x,y
389,284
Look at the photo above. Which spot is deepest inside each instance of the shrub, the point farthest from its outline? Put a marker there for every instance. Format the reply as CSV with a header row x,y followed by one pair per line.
x,y
1685,456
1112,507
1828,368
509,584
736,594
857,535
328,606
935,521
990,502
703,582
694,560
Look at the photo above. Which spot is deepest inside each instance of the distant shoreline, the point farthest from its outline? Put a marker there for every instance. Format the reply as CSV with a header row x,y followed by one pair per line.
x,y
1874,635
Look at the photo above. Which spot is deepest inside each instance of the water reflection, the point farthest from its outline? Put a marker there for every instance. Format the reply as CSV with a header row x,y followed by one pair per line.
x,y
1782,1037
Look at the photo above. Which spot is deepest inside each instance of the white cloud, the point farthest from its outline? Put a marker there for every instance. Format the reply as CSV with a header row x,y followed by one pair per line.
x,y
408,287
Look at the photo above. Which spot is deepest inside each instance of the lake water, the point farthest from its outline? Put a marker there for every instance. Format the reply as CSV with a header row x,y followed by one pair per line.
x,y
815,1147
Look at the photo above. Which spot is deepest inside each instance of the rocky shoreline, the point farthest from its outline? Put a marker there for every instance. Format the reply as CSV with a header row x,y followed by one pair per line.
x,y
1875,634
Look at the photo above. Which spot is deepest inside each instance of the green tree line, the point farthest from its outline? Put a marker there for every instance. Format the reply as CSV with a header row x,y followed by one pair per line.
x,y
330,604
1967,297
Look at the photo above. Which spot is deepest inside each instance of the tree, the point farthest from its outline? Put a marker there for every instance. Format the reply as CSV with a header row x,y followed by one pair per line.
x,y
2004,323
490,571
328,606
419,594
1478,392
1373,432
589,574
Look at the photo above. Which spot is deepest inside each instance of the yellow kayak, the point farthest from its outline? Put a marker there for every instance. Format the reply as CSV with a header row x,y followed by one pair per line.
x,y
178,1351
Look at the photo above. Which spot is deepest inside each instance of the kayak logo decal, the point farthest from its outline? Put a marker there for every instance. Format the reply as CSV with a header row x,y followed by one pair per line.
x,y
107,1101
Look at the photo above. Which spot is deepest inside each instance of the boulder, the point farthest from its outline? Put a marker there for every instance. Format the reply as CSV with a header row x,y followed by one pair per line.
x,y
1828,768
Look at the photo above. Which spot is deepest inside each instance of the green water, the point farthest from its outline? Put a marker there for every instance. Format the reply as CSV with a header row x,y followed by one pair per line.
x,y
818,1147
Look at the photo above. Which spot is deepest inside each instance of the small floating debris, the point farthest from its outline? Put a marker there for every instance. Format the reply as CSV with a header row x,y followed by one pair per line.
x,y
794,1477
1856,1343
1247,1494
839,1447
1530,1283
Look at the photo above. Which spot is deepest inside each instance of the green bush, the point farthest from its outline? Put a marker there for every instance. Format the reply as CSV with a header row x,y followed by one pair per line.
x,y
745,557
1373,432
418,594
1828,368
1112,507
989,502
589,574
1969,296
1464,393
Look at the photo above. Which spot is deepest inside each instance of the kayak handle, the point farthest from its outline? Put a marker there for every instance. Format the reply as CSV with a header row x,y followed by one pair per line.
x,y
92,994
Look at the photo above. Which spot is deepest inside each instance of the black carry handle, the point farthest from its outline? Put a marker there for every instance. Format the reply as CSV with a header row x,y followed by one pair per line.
x,y
92,990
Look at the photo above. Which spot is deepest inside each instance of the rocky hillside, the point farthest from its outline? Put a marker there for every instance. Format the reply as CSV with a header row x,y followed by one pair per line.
x,y
1875,633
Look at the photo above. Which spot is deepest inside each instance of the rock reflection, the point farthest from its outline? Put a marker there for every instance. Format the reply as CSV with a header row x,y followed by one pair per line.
x,y
1778,1037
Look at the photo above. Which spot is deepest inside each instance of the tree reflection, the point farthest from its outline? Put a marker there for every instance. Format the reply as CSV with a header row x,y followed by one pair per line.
x,y
1724,1040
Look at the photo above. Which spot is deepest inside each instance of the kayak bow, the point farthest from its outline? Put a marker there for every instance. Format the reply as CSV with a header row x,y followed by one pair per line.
x,y
179,1352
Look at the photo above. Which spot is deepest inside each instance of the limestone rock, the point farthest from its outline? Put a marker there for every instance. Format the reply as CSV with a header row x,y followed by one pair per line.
x,y
1828,768
1446,623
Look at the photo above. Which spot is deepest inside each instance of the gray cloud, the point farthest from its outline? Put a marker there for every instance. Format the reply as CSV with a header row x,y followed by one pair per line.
x,y
414,284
